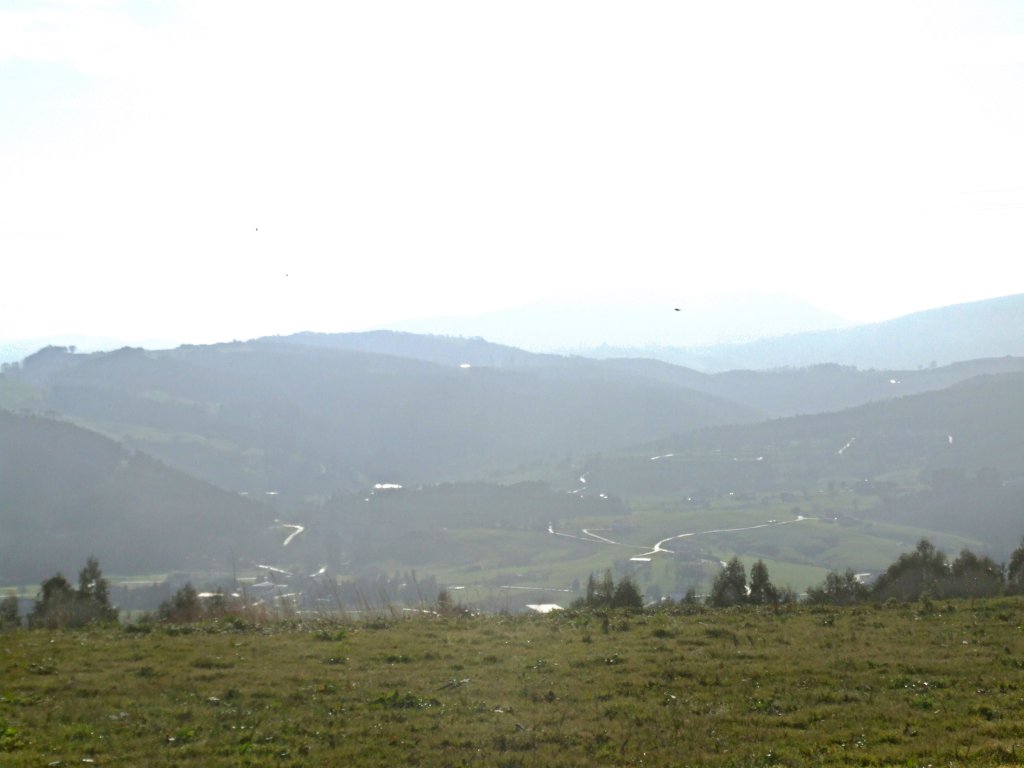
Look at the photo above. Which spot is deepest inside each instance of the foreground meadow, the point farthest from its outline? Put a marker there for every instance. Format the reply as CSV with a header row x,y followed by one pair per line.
x,y
932,684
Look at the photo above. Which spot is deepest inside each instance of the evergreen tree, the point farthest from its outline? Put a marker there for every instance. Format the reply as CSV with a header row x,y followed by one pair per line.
x,y
762,591
182,607
9,612
1015,571
92,597
607,589
607,594
730,586
627,595
54,604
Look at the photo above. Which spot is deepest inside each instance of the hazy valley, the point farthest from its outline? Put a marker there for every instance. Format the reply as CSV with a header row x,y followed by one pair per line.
x,y
505,475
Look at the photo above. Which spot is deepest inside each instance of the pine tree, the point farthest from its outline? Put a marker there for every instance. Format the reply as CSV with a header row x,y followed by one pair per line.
x,y
93,594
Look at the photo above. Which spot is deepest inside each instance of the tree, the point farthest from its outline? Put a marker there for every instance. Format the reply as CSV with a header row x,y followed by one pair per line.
x,y
93,593
1015,571
9,612
627,595
54,606
445,606
914,574
762,591
599,593
607,594
838,589
730,586
58,605
182,607
973,576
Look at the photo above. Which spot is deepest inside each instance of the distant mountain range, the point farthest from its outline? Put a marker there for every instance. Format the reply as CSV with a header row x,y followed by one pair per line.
x,y
990,328
578,325
738,332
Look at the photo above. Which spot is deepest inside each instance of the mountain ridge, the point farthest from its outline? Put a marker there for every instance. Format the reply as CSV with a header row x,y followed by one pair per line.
x,y
939,336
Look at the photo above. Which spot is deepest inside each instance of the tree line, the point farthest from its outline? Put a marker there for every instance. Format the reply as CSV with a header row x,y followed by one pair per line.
x,y
924,573
60,605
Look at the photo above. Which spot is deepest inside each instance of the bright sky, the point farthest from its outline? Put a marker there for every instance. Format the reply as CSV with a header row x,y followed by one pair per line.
x,y
207,170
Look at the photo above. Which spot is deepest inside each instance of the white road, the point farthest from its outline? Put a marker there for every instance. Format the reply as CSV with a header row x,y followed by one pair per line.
x,y
659,546
298,529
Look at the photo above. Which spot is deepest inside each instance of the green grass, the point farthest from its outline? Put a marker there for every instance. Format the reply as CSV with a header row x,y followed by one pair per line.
x,y
798,555
900,685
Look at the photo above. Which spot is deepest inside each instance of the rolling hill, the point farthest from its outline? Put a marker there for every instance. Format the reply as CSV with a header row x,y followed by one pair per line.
x,y
307,419
960,449
66,493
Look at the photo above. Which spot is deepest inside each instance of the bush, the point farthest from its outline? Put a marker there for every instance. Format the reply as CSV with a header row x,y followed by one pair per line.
x,y
183,607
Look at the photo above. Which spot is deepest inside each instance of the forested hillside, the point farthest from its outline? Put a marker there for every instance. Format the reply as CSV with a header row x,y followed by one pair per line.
x,y
66,493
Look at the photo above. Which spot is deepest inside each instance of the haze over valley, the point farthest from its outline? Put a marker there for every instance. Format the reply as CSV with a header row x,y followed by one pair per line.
x,y
454,383
508,475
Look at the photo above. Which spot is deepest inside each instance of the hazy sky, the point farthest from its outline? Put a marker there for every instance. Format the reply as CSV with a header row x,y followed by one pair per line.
x,y
205,170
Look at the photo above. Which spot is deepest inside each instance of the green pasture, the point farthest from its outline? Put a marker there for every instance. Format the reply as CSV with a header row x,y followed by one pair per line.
x,y
908,685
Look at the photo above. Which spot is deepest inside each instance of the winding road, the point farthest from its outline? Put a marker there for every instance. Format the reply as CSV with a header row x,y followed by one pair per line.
x,y
298,529
659,546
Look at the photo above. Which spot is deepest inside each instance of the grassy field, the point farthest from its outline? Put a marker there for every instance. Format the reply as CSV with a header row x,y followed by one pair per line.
x,y
910,685
798,555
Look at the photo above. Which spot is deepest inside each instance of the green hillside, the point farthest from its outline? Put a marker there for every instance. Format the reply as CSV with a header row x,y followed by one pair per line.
x,y
496,478
66,493
307,420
